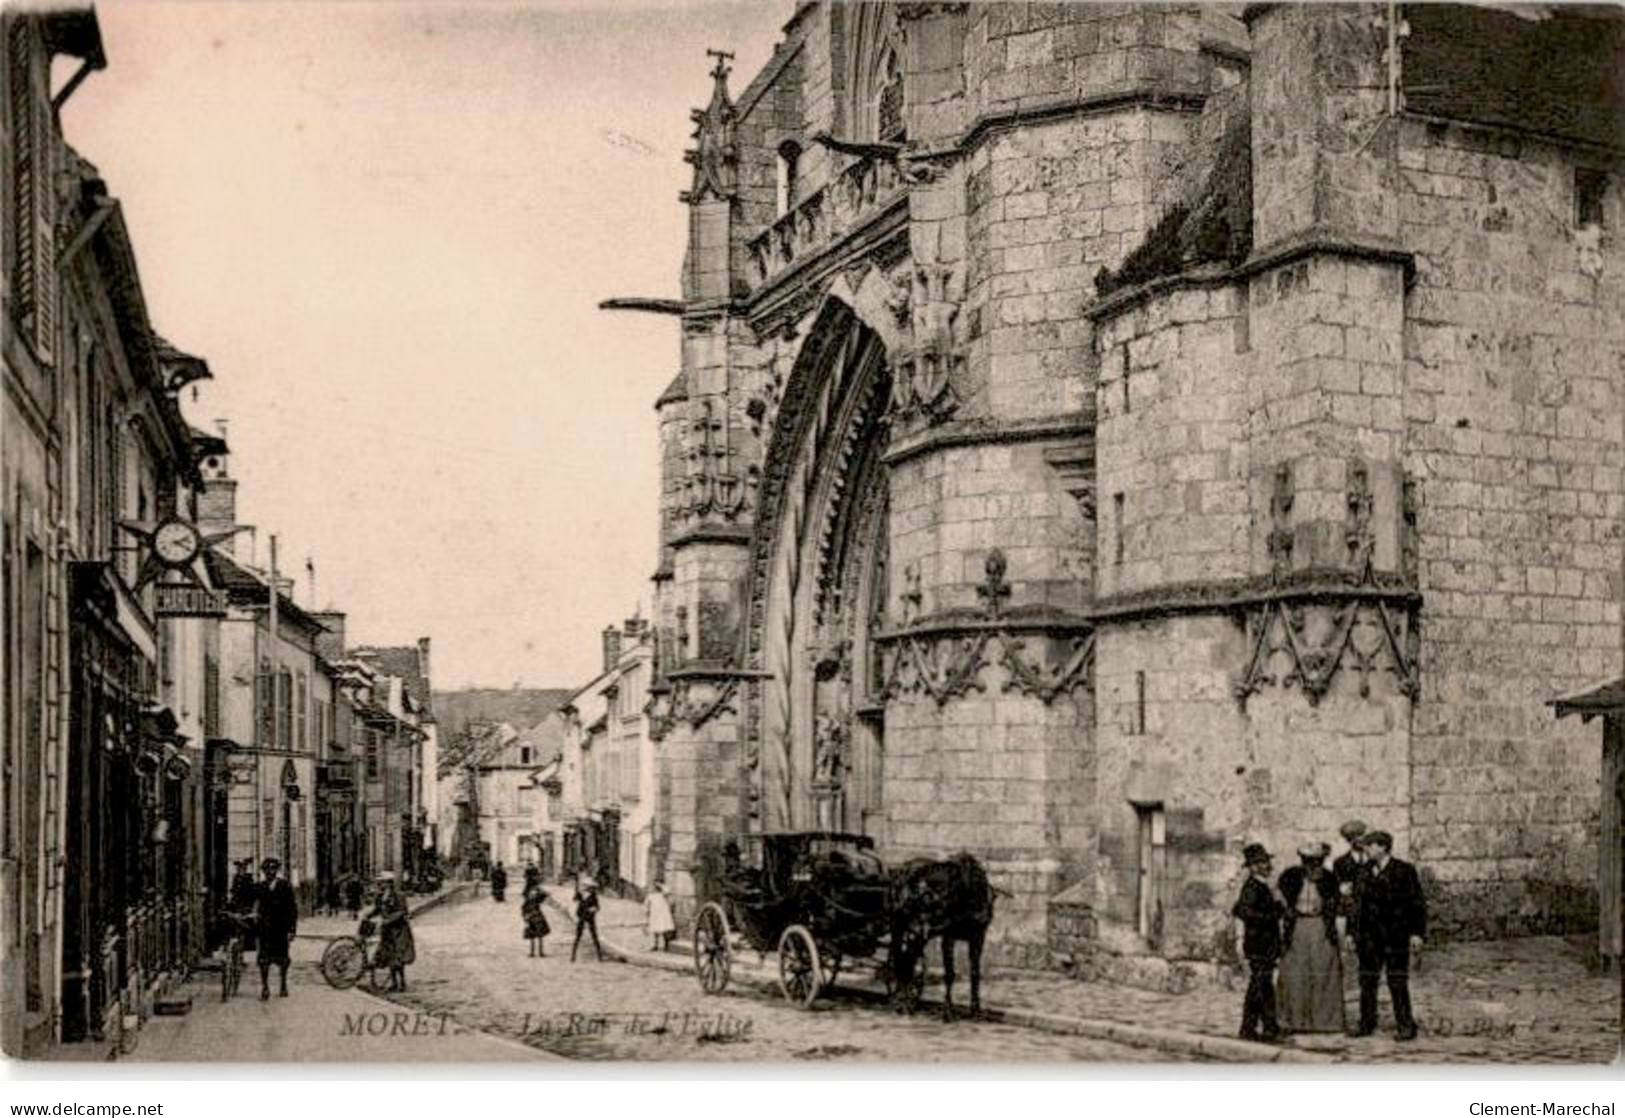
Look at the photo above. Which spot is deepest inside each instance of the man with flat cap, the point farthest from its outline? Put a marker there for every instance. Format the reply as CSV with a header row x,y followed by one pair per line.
x,y
1348,869
1258,915
277,919
1393,919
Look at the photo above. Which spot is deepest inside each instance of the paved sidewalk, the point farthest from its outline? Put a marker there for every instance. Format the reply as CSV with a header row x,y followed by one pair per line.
x,y
315,1023
1509,1001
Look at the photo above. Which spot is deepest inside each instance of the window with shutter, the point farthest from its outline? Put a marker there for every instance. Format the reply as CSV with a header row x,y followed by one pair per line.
x,y
33,233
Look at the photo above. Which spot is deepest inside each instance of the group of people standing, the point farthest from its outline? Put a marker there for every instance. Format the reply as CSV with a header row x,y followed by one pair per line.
x,y
267,912
533,916
1295,932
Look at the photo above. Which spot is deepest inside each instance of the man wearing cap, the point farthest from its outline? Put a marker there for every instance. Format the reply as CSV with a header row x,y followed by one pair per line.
x,y
1258,940
276,920
1349,870
1393,920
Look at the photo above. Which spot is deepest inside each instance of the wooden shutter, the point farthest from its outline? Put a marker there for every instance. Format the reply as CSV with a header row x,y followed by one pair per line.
x,y
33,233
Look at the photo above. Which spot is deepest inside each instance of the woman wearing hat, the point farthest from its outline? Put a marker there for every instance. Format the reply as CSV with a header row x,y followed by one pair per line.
x,y
277,919
396,948
1310,986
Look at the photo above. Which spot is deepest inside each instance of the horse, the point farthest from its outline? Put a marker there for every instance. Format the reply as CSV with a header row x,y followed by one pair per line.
x,y
950,899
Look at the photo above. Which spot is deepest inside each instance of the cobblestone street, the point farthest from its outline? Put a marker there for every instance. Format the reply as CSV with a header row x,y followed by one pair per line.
x,y
472,965
1530,1001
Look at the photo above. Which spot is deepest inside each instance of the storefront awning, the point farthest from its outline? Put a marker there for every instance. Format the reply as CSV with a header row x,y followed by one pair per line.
x,y
1604,698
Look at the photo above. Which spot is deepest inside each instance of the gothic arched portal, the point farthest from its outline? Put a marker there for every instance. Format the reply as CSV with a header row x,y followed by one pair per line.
x,y
818,588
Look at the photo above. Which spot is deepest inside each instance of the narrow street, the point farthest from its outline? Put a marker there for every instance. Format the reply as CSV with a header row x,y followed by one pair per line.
x,y
472,966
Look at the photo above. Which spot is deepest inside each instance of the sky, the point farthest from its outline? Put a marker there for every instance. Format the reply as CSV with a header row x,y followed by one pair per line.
x,y
387,227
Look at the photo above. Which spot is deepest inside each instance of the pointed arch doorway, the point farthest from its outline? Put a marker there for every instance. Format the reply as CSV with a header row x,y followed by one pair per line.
x,y
815,740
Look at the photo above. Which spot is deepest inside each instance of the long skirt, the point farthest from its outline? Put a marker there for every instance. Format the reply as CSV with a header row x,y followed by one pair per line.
x,y
396,947
1310,983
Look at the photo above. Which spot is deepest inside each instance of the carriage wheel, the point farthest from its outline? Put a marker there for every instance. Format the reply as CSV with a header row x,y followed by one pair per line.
x,y
343,962
801,977
712,960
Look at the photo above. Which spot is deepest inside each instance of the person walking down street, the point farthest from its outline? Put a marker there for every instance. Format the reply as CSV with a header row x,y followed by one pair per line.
x,y
331,896
657,914
1349,868
535,918
276,921
1310,987
244,898
1393,920
396,948
586,916
499,882
533,876
352,895
1258,940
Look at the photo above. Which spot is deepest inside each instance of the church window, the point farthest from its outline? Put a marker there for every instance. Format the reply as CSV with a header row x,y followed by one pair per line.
x,y
789,169
1590,188
889,109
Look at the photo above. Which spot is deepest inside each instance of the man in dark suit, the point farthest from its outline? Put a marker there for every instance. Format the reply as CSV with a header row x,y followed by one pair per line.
x,y
1393,920
276,920
1258,915
1348,870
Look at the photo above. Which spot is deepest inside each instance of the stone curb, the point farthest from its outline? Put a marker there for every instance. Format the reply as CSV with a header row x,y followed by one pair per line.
x,y
1227,1049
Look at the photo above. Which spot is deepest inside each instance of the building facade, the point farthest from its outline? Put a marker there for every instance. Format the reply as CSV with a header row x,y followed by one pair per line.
x,y
609,818
1107,435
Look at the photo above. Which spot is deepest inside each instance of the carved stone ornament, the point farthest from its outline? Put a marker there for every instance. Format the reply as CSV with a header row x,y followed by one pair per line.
x,y
713,487
945,664
934,353
715,157
994,589
1320,637
691,699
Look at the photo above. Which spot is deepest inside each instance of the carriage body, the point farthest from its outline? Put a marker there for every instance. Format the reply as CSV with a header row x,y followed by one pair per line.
x,y
814,897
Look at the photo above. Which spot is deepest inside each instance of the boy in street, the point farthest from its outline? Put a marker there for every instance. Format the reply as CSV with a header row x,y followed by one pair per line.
x,y
1258,915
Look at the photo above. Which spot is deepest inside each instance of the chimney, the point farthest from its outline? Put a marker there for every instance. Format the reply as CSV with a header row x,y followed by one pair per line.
x,y
612,646
330,645
217,510
633,630
423,666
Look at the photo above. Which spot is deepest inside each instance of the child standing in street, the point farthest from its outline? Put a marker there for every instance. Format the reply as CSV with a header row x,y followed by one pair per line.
x,y
657,915
536,926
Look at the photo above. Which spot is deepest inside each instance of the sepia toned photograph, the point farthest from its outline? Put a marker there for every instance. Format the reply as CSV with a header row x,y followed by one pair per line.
x,y
813,533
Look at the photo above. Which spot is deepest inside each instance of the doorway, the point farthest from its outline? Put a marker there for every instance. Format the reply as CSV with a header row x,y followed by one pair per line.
x,y
1152,870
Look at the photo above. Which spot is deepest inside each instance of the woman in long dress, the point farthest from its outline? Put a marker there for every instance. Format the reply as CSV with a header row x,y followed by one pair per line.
x,y
1310,985
396,948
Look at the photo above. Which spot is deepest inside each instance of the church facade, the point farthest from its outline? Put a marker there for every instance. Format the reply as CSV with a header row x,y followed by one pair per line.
x,y
1108,435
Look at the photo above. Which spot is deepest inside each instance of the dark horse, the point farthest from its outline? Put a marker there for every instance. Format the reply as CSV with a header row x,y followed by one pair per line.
x,y
950,899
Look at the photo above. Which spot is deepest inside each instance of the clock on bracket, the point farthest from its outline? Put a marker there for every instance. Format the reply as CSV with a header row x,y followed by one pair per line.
x,y
176,544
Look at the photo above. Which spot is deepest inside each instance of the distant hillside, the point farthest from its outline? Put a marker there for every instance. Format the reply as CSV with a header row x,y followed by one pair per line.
x,y
520,707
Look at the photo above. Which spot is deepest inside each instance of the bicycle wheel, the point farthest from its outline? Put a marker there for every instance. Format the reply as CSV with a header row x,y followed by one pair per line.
x,y
343,962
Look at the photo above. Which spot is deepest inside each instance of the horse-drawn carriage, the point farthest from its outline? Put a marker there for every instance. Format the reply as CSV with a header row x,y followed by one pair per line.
x,y
820,899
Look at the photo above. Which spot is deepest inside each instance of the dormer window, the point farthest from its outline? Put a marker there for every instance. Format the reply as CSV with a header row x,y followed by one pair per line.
x,y
789,167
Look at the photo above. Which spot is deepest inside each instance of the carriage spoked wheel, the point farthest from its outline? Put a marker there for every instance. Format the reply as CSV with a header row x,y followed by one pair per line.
x,y
711,954
909,995
801,975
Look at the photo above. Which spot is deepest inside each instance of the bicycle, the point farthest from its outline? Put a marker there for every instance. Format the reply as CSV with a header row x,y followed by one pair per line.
x,y
348,958
231,970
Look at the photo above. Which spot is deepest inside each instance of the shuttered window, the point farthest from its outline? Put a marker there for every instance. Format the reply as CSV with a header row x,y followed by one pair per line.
x,y
33,281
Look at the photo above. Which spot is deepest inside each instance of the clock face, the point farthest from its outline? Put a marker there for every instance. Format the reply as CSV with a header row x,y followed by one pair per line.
x,y
175,543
